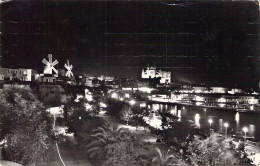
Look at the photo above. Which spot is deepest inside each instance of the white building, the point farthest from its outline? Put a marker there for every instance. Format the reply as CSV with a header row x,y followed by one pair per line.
x,y
200,89
219,89
240,99
152,72
45,78
165,77
19,74
149,72
235,90
106,78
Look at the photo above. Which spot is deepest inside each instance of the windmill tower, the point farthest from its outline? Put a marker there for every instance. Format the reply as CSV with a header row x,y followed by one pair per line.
x,y
69,67
49,65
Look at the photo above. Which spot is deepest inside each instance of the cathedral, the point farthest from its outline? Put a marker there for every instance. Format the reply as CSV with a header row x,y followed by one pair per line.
x,y
153,72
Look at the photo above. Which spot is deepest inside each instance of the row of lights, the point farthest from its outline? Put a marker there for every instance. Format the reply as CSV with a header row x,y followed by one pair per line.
x,y
226,125
115,96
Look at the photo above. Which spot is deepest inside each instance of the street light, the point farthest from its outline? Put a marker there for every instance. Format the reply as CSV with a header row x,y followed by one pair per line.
x,y
226,126
245,129
143,105
210,122
127,95
114,95
132,102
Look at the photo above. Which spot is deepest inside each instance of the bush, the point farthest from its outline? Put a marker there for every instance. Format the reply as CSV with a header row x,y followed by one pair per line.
x,y
126,153
213,151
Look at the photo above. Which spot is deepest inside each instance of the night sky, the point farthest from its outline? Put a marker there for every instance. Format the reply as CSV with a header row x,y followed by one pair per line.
x,y
206,42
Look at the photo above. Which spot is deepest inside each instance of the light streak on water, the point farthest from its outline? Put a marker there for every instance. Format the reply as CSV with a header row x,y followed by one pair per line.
x,y
251,130
237,117
173,112
197,119
221,124
179,115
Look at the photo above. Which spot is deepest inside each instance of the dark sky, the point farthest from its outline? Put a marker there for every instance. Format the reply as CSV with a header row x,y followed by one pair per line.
x,y
212,42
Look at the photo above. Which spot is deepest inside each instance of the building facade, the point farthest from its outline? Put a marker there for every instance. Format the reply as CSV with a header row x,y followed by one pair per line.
x,y
219,90
153,72
18,74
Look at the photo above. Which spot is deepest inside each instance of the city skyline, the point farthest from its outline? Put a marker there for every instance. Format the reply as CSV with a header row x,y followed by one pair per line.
x,y
216,47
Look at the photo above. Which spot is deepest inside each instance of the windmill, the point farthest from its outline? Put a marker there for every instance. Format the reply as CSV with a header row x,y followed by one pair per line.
x,y
49,65
69,67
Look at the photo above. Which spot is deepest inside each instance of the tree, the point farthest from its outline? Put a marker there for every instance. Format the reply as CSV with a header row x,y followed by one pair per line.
x,y
114,107
95,103
126,113
103,136
75,114
25,126
167,119
181,133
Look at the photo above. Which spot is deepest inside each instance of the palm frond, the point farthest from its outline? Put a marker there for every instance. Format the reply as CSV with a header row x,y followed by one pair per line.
x,y
169,157
93,149
96,134
155,159
92,155
159,152
93,143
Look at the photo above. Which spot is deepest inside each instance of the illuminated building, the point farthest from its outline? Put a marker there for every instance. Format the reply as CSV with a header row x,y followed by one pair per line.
x,y
153,72
17,74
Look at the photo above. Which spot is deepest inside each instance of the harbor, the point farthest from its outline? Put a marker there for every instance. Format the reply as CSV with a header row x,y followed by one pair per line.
x,y
201,115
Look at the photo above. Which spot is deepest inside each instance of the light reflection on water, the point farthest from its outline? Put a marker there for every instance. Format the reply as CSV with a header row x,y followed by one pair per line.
x,y
237,117
237,120
221,125
251,129
197,119
200,117
179,115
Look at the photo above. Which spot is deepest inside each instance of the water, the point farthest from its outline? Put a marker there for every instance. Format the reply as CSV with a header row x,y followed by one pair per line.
x,y
200,116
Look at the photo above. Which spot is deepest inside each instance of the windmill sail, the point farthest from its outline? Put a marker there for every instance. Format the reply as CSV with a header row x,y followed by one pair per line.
x,y
69,67
49,65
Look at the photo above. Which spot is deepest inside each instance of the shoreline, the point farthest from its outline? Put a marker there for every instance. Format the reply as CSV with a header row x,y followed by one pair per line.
x,y
203,106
